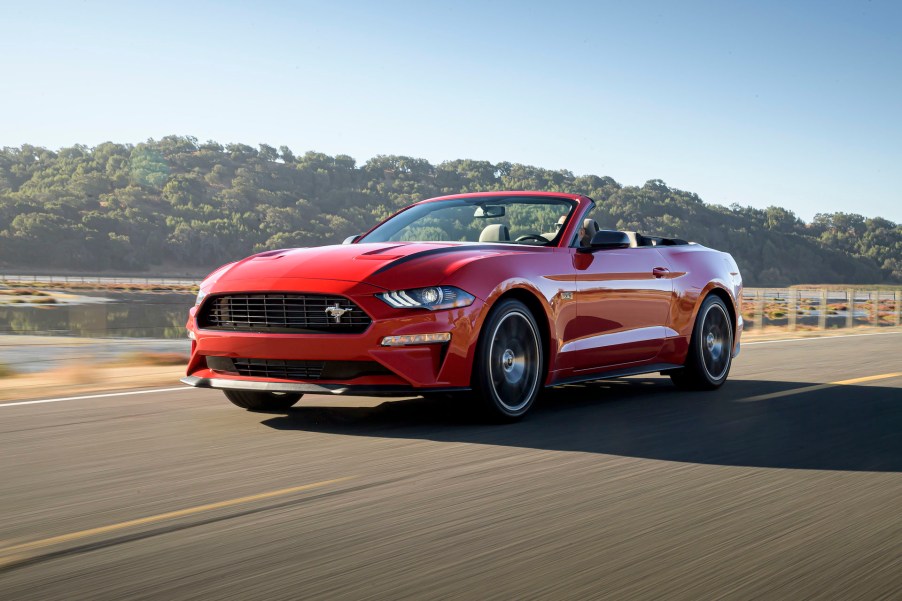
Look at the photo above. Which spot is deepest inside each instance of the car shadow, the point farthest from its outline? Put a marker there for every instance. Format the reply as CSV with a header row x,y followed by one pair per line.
x,y
855,428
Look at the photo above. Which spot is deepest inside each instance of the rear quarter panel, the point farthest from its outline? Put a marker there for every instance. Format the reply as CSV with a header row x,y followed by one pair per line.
x,y
697,271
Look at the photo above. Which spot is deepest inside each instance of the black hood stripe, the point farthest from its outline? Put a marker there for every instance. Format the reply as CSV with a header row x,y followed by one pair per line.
x,y
435,251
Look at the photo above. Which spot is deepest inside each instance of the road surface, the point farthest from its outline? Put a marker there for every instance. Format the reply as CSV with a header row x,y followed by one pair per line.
x,y
784,484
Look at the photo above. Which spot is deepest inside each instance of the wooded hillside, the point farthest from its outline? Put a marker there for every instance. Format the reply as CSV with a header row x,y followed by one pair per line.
x,y
178,202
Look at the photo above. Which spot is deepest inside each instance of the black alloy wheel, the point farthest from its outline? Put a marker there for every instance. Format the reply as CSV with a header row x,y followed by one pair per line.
x,y
710,348
509,362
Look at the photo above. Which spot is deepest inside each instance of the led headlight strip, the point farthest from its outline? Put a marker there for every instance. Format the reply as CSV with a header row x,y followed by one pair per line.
x,y
432,298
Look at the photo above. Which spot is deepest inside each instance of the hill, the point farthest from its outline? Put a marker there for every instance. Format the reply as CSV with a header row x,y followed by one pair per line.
x,y
176,201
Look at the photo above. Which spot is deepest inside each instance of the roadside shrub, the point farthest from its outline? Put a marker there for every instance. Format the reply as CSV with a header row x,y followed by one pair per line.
x,y
152,359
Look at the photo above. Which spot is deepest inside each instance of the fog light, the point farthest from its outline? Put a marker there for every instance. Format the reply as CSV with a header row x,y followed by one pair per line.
x,y
191,335
416,339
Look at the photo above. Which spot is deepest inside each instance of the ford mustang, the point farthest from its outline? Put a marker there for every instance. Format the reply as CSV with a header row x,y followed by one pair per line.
x,y
486,298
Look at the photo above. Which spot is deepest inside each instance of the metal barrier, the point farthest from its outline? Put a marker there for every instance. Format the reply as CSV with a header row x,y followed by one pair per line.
x,y
820,308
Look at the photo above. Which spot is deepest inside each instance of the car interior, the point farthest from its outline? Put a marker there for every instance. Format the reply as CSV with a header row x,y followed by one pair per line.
x,y
499,232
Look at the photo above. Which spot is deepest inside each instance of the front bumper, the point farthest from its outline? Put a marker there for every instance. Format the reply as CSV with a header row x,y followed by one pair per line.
x,y
407,369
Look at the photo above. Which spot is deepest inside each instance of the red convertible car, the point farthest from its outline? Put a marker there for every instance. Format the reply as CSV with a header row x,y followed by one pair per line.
x,y
486,297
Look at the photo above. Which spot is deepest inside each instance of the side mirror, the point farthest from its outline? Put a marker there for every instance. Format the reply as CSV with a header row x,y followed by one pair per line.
x,y
351,239
606,240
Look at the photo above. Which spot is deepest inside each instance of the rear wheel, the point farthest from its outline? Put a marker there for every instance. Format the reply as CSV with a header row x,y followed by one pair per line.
x,y
710,348
262,401
507,373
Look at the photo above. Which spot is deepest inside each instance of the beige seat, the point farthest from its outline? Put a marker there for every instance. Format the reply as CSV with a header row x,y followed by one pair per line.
x,y
560,222
589,229
496,232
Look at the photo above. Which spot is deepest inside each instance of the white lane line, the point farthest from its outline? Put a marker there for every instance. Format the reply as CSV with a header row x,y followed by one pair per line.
x,y
820,338
93,396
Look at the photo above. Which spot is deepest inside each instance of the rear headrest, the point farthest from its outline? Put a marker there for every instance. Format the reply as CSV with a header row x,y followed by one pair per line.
x,y
634,239
497,232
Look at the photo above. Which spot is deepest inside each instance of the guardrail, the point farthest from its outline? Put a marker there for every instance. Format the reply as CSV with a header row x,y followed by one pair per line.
x,y
820,308
105,279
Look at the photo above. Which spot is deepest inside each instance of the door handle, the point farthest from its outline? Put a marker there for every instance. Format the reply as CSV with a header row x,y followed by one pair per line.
x,y
660,272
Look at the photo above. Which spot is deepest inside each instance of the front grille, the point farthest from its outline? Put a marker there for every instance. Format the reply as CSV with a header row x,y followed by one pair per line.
x,y
296,370
283,313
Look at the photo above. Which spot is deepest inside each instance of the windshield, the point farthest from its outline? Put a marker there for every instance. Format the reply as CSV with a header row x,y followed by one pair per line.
x,y
509,220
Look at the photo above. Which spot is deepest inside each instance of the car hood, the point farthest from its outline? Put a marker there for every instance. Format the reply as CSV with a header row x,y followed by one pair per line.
x,y
389,265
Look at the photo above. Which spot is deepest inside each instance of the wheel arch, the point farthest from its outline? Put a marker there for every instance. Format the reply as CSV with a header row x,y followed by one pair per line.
x,y
727,300
539,314
685,315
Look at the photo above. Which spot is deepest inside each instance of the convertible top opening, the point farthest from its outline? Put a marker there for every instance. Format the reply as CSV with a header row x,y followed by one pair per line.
x,y
637,239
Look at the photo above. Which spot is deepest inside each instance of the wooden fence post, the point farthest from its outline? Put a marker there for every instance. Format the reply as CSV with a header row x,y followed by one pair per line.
x,y
850,307
874,299
822,316
792,308
759,310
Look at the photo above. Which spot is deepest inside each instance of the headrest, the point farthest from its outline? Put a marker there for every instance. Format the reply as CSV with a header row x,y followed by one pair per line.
x,y
634,239
591,227
497,232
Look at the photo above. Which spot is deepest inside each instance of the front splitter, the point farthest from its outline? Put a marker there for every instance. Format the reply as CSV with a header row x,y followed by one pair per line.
x,y
306,388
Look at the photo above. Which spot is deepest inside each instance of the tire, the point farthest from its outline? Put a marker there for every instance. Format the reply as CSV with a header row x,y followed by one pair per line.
x,y
262,401
508,369
710,348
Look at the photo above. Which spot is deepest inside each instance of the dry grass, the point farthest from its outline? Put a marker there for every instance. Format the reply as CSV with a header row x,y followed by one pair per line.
x,y
79,373
84,379
17,296
152,359
24,292
860,287
806,331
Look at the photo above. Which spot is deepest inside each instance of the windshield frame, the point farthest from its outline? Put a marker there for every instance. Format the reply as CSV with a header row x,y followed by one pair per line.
x,y
476,201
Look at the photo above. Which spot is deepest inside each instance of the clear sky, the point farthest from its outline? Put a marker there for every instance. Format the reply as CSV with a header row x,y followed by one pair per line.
x,y
795,104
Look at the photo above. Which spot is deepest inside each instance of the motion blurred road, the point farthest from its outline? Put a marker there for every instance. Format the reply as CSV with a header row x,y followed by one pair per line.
x,y
784,484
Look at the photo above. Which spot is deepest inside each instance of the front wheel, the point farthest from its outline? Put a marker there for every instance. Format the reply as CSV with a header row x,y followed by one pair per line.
x,y
710,348
508,368
262,401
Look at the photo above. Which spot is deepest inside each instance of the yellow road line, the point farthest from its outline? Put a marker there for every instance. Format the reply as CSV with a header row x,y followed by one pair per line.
x,y
65,538
782,393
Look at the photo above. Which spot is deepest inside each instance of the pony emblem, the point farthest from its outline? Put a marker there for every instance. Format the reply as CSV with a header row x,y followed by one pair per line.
x,y
336,312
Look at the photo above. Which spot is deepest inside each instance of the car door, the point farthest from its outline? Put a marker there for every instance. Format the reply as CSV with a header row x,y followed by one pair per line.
x,y
623,299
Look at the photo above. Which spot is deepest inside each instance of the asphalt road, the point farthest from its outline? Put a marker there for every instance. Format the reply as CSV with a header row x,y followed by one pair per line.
x,y
774,487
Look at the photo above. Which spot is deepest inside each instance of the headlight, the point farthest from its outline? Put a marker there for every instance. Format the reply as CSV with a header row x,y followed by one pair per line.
x,y
432,298
200,297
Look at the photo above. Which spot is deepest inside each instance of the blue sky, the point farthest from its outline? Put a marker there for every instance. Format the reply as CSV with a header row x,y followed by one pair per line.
x,y
760,103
